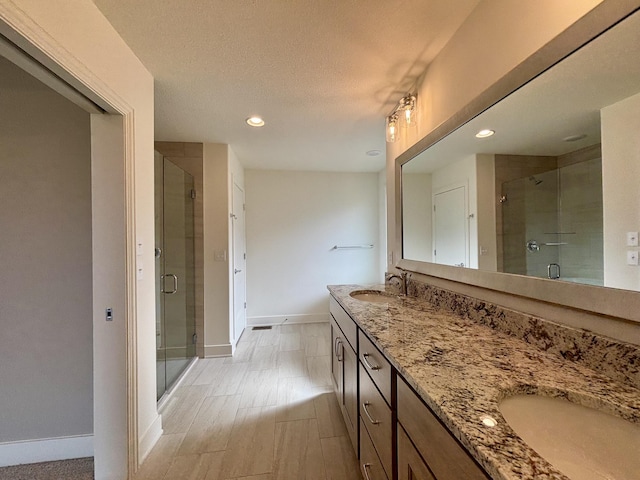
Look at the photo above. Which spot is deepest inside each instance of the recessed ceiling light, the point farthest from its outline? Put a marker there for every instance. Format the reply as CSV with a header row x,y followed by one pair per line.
x,y
373,153
484,133
255,121
574,138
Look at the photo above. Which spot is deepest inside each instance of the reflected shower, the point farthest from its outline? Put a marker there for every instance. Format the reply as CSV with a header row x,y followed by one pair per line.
x,y
535,180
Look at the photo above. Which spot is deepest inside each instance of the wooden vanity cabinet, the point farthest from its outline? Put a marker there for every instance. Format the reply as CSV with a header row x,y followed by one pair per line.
x,y
377,420
410,463
394,433
370,464
344,367
445,458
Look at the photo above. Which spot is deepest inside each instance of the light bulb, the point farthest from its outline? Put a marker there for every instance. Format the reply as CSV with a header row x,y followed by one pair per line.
x,y
392,128
408,116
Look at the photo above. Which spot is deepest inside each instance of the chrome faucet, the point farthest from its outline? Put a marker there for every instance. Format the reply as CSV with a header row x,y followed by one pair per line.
x,y
403,280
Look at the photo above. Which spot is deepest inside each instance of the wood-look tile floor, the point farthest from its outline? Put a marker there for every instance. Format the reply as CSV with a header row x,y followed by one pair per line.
x,y
267,413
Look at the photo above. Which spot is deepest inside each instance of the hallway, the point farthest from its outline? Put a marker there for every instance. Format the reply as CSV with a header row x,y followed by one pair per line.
x,y
268,413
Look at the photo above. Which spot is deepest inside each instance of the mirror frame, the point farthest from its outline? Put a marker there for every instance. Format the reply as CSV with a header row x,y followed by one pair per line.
x,y
611,302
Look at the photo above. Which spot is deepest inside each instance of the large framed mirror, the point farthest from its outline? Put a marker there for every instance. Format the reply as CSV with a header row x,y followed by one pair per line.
x,y
548,205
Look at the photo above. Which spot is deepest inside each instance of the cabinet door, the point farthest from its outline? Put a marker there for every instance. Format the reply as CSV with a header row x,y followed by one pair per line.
x,y
350,376
336,360
410,464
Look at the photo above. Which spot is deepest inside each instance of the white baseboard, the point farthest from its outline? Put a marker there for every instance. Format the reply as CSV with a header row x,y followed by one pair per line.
x,y
224,350
149,439
287,319
45,450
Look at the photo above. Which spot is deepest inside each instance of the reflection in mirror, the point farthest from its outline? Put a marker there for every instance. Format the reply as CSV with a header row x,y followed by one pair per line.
x,y
546,195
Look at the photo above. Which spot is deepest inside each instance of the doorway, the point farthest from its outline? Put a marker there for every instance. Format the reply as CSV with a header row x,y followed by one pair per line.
x,y
175,272
239,262
450,232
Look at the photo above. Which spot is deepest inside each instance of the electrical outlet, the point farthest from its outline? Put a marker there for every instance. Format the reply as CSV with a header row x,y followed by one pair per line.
x,y
632,257
632,239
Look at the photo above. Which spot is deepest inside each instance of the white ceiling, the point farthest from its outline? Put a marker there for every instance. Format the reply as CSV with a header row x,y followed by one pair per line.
x,y
322,73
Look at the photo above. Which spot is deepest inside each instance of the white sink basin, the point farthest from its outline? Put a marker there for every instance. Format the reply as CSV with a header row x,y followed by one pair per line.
x,y
581,442
373,296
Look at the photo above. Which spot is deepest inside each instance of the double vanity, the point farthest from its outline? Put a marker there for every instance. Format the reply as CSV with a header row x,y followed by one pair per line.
x,y
428,393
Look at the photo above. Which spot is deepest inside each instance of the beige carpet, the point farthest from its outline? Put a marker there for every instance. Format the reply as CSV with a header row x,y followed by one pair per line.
x,y
77,469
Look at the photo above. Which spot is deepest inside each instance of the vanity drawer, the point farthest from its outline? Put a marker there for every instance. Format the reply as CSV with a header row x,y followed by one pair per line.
x,y
446,458
347,325
375,414
370,464
376,365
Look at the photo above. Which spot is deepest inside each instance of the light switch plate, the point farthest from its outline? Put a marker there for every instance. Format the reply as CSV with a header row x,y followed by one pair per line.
x,y
632,257
632,239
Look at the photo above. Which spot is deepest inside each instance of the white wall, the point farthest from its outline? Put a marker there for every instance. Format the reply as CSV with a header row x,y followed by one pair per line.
x,y
217,254
221,169
620,180
293,221
417,216
46,345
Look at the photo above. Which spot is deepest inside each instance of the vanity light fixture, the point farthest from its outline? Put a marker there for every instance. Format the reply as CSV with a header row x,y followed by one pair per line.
x,y
405,113
392,127
485,133
255,121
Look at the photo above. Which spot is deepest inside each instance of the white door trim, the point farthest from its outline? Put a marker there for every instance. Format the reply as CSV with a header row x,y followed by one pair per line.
x,y
18,27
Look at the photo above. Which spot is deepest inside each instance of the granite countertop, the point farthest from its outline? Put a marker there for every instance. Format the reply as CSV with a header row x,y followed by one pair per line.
x,y
462,370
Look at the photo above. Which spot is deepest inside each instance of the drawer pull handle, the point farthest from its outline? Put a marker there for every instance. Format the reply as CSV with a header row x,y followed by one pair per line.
x,y
365,357
339,350
366,412
365,469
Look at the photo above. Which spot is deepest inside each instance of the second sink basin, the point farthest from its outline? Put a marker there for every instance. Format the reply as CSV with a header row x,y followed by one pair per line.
x,y
373,296
581,442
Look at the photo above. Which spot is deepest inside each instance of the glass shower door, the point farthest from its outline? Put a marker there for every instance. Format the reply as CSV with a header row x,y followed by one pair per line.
x,y
175,297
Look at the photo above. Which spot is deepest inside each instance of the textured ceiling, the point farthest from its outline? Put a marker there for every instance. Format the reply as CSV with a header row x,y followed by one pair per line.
x,y
322,73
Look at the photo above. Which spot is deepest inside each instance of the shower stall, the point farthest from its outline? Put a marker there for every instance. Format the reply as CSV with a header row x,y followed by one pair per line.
x,y
175,266
552,224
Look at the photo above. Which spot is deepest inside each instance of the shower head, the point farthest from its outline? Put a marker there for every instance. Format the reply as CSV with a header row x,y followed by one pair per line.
x,y
535,180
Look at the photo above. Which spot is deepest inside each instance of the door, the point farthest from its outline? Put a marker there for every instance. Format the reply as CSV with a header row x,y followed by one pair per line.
x,y
451,244
175,266
410,464
239,262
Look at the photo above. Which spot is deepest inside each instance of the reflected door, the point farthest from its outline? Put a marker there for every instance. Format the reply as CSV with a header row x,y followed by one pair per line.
x,y
175,266
450,235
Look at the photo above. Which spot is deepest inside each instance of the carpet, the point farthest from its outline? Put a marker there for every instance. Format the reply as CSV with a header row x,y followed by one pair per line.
x,y
76,469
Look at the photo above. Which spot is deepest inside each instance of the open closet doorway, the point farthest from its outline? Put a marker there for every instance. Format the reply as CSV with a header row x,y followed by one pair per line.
x,y
66,295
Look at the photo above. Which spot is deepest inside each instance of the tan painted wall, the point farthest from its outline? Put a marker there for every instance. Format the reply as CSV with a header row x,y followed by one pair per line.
x,y
217,251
